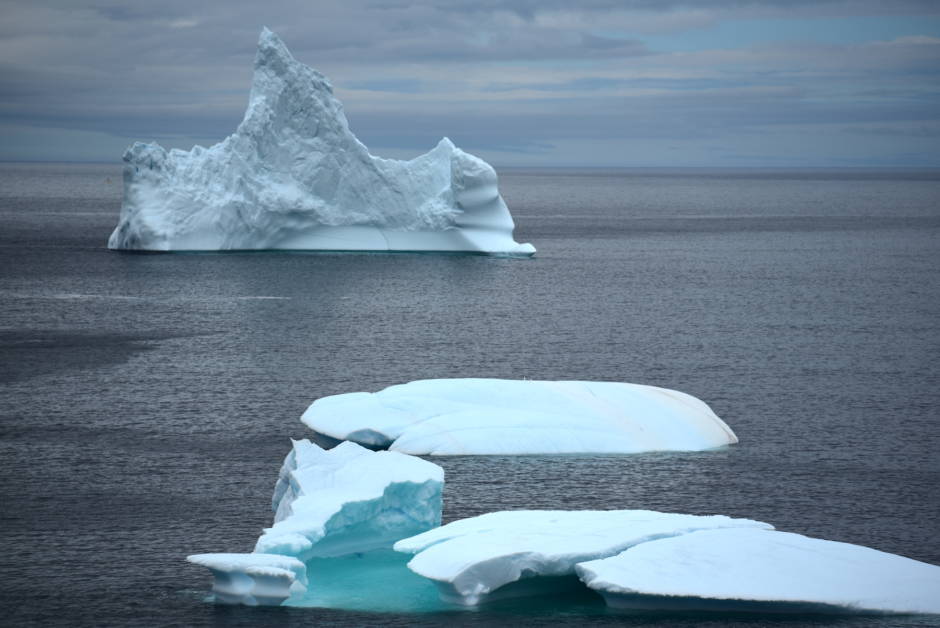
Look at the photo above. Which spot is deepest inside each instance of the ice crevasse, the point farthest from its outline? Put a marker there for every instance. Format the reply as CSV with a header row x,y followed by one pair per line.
x,y
294,177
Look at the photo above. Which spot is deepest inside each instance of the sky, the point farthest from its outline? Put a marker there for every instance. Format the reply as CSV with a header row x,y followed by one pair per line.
x,y
597,83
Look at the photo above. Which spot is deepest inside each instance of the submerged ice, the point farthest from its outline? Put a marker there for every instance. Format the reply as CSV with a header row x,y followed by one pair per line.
x,y
495,416
293,176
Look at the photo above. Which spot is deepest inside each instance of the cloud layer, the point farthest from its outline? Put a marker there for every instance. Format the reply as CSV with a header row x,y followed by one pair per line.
x,y
642,83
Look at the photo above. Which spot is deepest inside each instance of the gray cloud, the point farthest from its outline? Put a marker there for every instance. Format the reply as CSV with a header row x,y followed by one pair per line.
x,y
525,77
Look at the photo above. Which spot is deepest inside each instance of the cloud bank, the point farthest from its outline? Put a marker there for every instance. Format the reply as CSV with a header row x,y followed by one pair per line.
x,y
596,83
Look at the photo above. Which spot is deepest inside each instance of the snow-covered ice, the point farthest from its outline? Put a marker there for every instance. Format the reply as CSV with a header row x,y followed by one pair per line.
x,y
494,416
253,579
755,570
350,500
293,176
495,555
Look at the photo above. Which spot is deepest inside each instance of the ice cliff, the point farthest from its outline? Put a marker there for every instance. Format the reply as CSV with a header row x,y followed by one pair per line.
x,y
293,176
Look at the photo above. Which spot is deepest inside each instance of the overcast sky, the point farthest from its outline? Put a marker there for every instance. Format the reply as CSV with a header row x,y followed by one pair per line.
x,y
530,82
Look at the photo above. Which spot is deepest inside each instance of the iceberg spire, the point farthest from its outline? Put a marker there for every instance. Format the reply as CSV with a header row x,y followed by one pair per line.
x,y
270,43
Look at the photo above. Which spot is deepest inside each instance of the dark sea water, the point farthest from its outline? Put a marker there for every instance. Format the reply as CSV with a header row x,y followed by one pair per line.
x,y
146,401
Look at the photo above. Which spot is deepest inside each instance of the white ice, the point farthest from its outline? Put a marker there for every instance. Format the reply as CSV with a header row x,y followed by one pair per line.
x,y
756,570
253,579
350,500
293,176
495,555
493,416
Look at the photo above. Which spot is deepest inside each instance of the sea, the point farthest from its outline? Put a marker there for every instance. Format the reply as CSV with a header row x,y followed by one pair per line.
x,y
147,400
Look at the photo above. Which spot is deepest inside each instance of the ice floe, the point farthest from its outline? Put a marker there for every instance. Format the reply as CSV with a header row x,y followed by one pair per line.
x,y
497,416
525,552
759,570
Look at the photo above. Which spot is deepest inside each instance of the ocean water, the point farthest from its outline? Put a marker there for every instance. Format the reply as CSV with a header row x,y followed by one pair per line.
x,y
146,401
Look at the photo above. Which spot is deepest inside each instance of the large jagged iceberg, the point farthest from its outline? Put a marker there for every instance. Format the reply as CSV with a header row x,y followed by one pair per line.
x,y
526,552
756,570
293,176
494,416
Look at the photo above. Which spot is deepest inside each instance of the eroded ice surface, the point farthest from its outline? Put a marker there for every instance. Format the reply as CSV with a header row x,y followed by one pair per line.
x,y
473,560
494,416
253,579
350,500
757,570
293,176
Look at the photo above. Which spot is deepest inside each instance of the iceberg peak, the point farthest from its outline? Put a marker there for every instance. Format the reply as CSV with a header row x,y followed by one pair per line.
x,y
293,176
271,46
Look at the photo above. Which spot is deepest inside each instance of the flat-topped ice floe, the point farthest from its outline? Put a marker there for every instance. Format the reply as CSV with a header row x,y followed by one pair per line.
x,y
515,553
294,177
756,570
494,416
253,579
350,500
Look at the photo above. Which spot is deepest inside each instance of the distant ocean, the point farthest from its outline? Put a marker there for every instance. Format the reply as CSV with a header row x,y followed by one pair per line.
x,y
146,401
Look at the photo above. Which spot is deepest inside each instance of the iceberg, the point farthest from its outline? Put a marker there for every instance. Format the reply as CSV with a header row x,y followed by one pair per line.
x,y
759,570
253,579
493,416
363,527
337,514
349,500
532,552
294,177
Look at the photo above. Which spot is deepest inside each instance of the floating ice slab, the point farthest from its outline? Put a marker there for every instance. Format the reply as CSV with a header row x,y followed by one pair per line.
x,y
253,579
349,500
498,554
757,570
293,176
494,416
